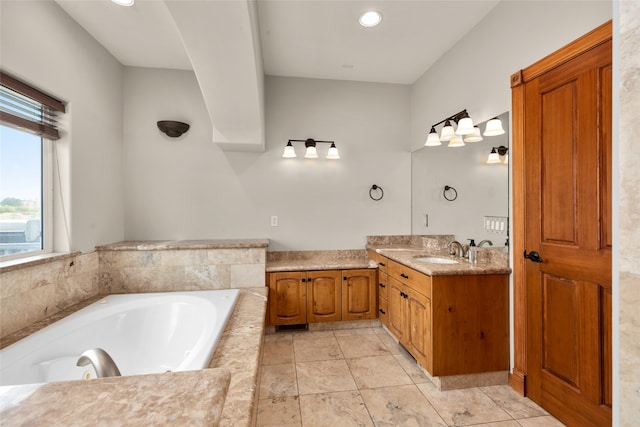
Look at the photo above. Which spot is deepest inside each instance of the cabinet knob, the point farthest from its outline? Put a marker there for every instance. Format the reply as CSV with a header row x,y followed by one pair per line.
x,y
382,285
304,280
382,311
382,264
344,278
404,276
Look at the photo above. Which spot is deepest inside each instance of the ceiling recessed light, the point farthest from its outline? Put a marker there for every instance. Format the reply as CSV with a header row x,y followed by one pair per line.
x,y
124,2
370,19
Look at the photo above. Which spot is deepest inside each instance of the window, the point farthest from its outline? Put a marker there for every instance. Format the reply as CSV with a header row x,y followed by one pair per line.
x,y
27,130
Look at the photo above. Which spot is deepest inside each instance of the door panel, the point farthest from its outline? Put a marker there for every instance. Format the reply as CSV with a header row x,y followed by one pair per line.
x,y
287,298
359,295
324,296
396,309
567,153
419,327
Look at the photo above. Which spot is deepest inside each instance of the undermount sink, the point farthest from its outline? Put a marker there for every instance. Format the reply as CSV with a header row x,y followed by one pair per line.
x,y
436,260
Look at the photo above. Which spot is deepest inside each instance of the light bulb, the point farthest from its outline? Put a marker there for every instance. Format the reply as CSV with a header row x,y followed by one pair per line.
x,y
465,126
289,152
447,131
433,139
333,152
494,127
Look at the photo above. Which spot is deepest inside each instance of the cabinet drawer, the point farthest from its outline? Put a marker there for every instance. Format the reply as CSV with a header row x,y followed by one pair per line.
x,y
383,311
383,285
415,280
383,262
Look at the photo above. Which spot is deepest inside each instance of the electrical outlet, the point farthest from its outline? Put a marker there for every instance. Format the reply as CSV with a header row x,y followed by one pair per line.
x,y
274,220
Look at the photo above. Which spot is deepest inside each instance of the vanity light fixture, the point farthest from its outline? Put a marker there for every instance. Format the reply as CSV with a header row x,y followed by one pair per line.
x,y
124,2
370,18
496,152
311,152
465,130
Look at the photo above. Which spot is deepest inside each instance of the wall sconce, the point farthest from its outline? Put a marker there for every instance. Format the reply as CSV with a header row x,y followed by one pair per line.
x,y
172,128
311,152
465,131
496,152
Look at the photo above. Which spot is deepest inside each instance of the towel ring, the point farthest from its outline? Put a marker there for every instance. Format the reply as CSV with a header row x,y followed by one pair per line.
x,y
444,193
375,188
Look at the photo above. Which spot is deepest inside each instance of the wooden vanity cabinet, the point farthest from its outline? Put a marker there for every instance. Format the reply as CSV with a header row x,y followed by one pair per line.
x,y
452,325
299,297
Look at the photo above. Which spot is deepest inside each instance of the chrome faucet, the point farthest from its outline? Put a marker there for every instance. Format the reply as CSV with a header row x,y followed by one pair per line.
x,y
101,362
456,248
489,242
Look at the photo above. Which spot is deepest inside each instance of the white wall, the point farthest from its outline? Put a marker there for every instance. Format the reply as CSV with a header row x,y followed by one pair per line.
x,y
475,73
188,188
43,46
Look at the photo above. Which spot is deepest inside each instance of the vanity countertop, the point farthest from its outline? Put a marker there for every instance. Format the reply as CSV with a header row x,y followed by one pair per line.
x,y
318,260
405,254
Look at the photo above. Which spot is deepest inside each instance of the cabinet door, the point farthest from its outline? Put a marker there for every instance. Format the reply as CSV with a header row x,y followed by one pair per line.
x,y
397,304
359,294
418,327
287,298
324,296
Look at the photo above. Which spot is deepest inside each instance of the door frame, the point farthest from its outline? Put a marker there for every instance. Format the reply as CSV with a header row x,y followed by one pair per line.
x,y
601,34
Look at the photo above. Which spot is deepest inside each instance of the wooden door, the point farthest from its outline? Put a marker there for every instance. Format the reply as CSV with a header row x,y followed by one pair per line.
x,y
324,296
567,223
287,298
418,327
397,305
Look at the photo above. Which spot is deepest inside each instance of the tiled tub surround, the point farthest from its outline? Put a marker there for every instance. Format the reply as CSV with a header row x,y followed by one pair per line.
x,y
161,266
34,290
194,398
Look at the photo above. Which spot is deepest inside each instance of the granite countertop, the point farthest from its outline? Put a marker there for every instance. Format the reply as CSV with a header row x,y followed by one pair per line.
x,y
160,245
318,260
222,395
487,263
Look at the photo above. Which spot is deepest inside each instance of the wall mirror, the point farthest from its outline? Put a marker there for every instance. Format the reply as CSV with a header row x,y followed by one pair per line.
x,y
482,189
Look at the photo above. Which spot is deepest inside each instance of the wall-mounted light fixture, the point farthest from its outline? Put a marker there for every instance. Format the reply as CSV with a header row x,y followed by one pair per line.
x,y
465,131
310,152
173,128
496,153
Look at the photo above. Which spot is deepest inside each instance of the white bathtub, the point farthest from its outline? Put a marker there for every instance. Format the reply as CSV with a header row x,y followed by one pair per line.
x,y
143,333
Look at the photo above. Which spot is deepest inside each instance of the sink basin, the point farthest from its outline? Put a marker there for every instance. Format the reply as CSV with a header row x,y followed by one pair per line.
x,y
436,260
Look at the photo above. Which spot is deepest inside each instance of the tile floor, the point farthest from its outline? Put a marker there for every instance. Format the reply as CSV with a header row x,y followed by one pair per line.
x,y
362,377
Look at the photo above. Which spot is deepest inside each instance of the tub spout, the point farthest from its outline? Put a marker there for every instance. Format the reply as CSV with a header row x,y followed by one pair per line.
x,y
101,361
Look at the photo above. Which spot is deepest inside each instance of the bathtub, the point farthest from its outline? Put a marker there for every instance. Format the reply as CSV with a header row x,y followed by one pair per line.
x,y
143,334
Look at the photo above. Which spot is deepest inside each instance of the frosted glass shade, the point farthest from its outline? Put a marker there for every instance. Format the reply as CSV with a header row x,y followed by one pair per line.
x,y
311,153
494,127
433,140
465,126
289,152
494,157
456,141
475,136
447,131
506,159
333,152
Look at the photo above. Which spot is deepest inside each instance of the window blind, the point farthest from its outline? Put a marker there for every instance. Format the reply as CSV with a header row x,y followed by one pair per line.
x,y
24,107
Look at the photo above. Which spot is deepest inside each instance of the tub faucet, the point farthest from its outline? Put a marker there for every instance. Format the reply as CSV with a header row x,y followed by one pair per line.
x,y
488,242
456,248
101,361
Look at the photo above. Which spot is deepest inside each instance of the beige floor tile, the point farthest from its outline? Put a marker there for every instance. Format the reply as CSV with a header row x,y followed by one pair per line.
x,y
353,331
515,405
412,369
307,350
311,335
324,376
463,407
278,336
392,345
342,409
279,412
277,352
509,423
377,371
278,381
362,346
544,421
400,406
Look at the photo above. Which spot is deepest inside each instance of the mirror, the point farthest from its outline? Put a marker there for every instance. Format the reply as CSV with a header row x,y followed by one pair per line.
x,y
482,189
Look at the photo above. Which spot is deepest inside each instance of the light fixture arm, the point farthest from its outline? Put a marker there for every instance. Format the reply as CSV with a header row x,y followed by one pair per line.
x,y
456,118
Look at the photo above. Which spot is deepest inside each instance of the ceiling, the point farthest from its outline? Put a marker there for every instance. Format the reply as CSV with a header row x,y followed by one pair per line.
x,y
298,38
